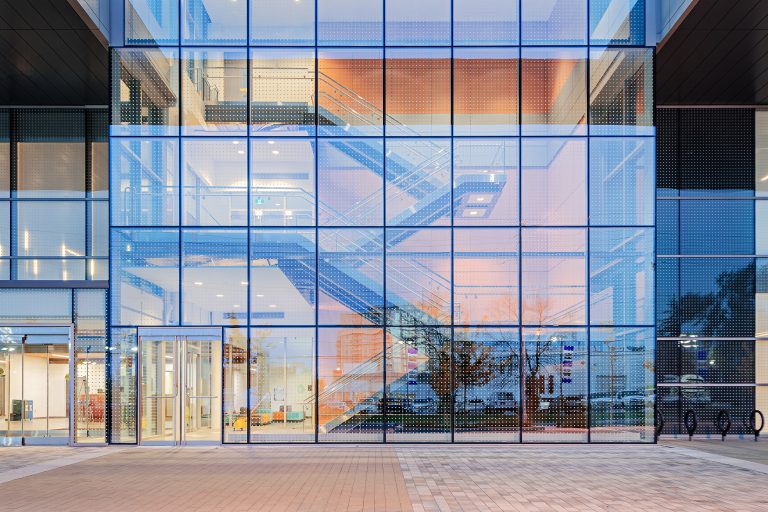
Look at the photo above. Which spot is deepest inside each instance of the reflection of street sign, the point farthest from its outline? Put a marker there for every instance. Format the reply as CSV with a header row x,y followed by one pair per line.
x,y
412,382
566,368
412,350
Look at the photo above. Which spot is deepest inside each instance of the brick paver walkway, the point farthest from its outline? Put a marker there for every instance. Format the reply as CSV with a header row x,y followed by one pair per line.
x,y
338,478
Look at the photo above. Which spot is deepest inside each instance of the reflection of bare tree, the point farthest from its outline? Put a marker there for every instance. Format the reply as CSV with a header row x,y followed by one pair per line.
x,y
534,358
715,313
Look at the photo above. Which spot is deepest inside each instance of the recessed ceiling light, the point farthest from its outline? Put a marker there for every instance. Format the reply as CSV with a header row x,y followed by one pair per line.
x,y
244,283
473,212
260,295
240,152
220,295
236,305
273,305
275,152
198,283
480,199
235,142
270,142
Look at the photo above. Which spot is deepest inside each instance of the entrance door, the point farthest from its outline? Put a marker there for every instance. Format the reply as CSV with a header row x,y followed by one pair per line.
x,y
179,390
35,385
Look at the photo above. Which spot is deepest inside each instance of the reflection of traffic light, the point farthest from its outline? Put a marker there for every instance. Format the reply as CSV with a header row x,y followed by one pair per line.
x,y
551,384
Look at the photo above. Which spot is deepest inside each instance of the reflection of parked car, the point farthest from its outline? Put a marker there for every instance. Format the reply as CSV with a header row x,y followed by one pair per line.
x,y
635,399
568,404
395,406
602,401
424,406
475,405
503,401
694,394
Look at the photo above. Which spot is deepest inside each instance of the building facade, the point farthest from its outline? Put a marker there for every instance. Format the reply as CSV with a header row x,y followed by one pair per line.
x,y
375,221
380,221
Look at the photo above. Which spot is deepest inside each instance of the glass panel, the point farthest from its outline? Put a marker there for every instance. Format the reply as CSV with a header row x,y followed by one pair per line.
x,y
707,402
215,182
50,228
554,276
717,227
351,276
151,22
350,92
551,22
145,92
615,22
90,365
485,182
145,277
418,276
350,384
621,99
283,277
283,91
484,22
485,85
214,89
350,182
418,92
420,387
5,154
97,126
5,269
622,385
668,296
282,182
485,274
235,385
667,227
717,297
761,227
5,229
99,228
145,182
699,360
761,152
621,276
350,22
622,187
122,403
761,304
554,188
282,385
215,277
554,91
50,139
486,374
50,269
98,269
282,22
35,306
555,385
424,23
214,22
418,182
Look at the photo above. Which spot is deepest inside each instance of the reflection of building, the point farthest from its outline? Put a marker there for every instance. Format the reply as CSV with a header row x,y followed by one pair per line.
x,y
429,222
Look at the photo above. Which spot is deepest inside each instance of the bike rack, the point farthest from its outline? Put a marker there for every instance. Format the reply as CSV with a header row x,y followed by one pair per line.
x,y
753,423
723,423
690,422
658,419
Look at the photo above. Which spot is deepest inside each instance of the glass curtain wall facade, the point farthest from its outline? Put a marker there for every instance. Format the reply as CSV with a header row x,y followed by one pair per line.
x,y
712,271
54,232
411,221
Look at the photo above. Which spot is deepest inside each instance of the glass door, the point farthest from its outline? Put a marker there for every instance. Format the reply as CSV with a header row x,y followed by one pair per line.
x,y
35,390
159,390
180,390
